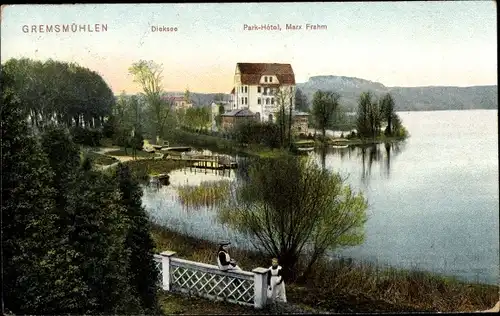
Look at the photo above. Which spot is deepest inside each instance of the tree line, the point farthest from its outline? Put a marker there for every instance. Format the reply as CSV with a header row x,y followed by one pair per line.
x,y
75,240
372,113
370,116
60,92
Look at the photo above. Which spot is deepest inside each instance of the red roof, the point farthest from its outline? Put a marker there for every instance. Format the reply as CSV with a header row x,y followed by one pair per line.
x,y
232,91
251,73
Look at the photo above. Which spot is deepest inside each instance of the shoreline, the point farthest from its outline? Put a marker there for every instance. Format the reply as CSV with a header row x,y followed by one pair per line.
x,y
351,286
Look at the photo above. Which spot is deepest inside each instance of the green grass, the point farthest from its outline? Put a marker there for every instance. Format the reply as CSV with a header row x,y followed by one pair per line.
x,y
100,159
304,141
340,286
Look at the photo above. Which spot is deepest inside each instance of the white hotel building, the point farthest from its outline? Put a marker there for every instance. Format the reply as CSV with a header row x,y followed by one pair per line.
x,y
256,88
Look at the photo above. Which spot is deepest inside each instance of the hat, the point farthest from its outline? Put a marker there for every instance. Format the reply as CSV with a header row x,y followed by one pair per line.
x,y
224,243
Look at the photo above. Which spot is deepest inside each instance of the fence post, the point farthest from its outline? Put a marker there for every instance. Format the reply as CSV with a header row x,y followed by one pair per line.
x,y
260,287
165,266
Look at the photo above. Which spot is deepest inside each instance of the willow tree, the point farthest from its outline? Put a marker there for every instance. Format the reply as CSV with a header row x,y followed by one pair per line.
x,y
291,208
324,106
149,75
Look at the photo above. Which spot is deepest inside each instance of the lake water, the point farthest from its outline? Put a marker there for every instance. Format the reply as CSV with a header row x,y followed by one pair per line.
x,y
433,200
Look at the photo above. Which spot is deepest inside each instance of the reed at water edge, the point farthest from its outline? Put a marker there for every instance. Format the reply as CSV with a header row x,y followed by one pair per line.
x,y
207,193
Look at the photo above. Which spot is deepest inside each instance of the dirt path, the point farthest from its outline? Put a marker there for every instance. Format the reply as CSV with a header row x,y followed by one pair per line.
x,y
106,150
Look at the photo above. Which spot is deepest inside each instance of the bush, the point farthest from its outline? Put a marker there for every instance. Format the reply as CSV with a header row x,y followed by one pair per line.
x,y
401,132
251,132
108,128
137,142
86,136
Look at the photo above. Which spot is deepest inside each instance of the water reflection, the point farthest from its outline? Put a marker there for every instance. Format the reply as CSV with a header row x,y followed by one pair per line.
x,y
367,155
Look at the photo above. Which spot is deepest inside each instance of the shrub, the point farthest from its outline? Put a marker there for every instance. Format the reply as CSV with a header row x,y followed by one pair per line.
x,y
86,136
251,132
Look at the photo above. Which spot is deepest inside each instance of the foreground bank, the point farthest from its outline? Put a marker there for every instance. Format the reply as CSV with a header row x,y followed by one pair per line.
x,y
338,286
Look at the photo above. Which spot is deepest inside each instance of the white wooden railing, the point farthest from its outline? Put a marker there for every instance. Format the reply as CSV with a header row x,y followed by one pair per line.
x,y
240,287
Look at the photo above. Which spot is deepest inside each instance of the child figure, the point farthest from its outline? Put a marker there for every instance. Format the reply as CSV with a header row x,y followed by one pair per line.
x,y
275,283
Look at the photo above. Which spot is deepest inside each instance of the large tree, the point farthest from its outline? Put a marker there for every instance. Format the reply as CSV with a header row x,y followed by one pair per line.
x,y
368,120
291,207
149,75
91,231
27,210
324,106
142,273
301,102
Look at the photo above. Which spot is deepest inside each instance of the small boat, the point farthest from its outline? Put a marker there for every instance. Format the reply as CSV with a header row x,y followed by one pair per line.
x,y
163,178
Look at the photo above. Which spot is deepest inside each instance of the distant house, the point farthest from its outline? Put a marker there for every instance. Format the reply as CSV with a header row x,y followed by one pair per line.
x,y
181,103
177,102
232,118
256,86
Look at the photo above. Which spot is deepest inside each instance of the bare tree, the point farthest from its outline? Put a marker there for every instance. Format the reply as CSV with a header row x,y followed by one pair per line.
x,y
149,75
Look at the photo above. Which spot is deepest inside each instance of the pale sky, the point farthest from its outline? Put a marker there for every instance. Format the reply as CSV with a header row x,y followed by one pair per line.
x,y
395,43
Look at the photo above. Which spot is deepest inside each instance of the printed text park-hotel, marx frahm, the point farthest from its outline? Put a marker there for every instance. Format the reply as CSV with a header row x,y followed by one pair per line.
x,y
288,27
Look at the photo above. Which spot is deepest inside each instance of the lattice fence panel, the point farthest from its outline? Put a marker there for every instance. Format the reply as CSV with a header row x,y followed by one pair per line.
x,y
159,267
207,284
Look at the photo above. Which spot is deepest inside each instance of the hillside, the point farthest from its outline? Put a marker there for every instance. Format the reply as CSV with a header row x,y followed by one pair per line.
x,y
407,98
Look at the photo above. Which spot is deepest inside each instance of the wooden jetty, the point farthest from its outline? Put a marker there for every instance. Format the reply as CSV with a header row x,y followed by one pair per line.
x,y
206,162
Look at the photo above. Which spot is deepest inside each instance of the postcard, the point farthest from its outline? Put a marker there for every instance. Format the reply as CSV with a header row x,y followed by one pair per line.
x,y
246,158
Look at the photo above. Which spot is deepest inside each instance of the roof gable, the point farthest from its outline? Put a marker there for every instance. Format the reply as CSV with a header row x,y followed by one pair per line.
x,y
251,73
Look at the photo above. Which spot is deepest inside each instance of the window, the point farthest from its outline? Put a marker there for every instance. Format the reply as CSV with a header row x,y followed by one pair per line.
x,y
270,79
246,89
246,100
265,79
242,100
270,117
267,101
272,100
258,101
258,89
